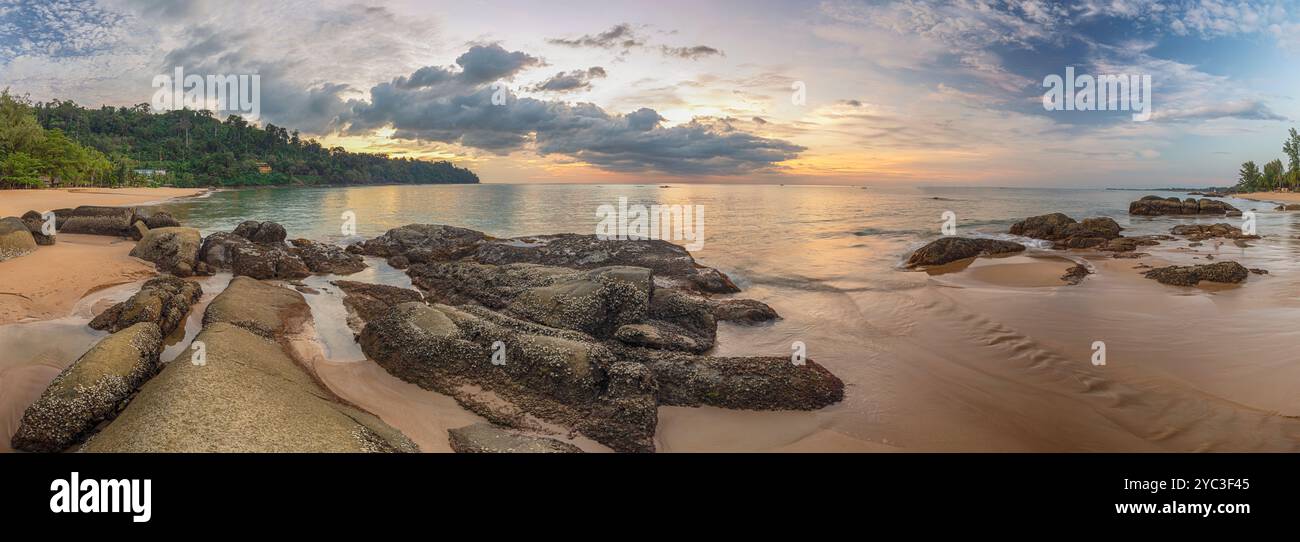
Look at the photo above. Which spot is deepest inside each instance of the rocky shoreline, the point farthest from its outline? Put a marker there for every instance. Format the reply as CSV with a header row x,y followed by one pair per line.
x,y
544,336
1103,235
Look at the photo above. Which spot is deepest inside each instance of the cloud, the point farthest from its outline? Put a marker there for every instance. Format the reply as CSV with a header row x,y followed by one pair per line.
x,y
623,36
691,53
484,63
456,109
1241,109
570,81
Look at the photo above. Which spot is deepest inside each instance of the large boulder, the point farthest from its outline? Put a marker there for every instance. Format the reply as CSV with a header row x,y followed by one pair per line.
x,y
245,394
246,258
1065,232
1201,232
265,309
950,249
1050,226
751,383
558,375
423,243
95,220
172,250
15,239
482,438
666,260
1156,205
93,389
266,233
1227,272
164,301
35,223
327,258
743,311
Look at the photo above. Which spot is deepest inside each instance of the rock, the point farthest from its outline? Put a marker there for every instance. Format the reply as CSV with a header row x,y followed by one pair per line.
x,y
1288,207
164,301
596,302
327,258
686,314
366,301
35,223
950,249
1075,274
487,438
266,233
15,239
1259,271
1190,275
246,258
247,395
1066,233
1050,226
751,383
265,309
558,375
1156,205
95,220
93,389
668,261
172,250
626,416
156,220
1201,232
139,230
429,242
661,335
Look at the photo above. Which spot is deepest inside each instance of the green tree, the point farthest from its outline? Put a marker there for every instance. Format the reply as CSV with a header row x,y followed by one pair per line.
x,y
19,130
1273,175
19,169
1249,176
1291,147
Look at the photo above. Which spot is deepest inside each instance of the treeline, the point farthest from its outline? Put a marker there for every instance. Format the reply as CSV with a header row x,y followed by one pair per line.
x,y
30,154
1275,174
61,143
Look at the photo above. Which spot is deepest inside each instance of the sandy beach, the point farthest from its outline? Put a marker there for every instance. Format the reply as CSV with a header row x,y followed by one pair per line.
x,y
1280,197
47,283
17,202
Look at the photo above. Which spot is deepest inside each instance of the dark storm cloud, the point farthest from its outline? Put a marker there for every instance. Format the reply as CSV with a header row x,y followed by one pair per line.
x,y
447,107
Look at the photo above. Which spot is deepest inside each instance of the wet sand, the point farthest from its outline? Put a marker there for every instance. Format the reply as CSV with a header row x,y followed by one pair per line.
x,y
17,202
48,282
989,356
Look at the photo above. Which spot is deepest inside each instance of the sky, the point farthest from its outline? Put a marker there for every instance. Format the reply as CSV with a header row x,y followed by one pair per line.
x,y
757,91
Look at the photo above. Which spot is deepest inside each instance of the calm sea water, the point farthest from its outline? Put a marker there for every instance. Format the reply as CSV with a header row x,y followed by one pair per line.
x,y
799,232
